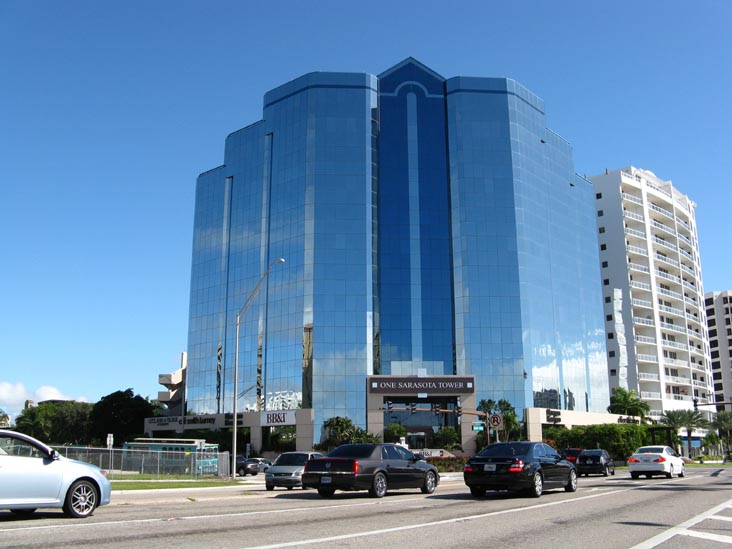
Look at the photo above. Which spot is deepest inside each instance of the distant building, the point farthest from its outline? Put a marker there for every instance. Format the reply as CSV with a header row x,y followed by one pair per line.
x,y
655,320
175,384
436,238
719,322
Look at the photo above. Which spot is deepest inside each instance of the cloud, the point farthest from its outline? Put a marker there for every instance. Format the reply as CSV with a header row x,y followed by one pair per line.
x,y
14,395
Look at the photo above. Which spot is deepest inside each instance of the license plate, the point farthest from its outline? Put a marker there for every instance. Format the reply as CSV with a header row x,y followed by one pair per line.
x,y
646,460
325,480
489,467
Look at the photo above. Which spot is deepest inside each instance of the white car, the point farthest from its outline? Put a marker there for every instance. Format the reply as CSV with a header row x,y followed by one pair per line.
x,y
34,476
656,460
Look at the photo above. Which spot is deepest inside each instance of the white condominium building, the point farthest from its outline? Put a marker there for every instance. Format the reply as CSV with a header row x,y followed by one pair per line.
x,y
719,321
655,321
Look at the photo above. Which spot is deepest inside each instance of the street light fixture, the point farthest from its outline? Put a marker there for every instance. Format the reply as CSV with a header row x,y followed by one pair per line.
x,y
240,314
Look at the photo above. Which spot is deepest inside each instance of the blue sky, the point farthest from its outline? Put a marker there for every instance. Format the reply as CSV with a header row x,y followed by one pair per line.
x,y
109,111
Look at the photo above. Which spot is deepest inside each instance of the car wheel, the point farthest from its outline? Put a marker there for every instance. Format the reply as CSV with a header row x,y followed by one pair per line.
x,y
326,492
378,486
537,485
23,511
571,482
81,499
634,476
242,472
613,471
606,471
289,487
254,474
269,487
670,472
683,471
430,483
477,491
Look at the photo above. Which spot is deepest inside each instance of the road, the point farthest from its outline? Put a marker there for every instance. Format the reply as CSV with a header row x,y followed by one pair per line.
x,y
612,512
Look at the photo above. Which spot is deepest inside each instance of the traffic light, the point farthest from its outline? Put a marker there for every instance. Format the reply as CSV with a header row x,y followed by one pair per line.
x,y
553,416
412,407
696,404
459,410
438,408
389,405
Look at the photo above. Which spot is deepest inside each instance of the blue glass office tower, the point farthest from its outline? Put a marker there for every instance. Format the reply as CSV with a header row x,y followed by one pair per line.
x,y
429,226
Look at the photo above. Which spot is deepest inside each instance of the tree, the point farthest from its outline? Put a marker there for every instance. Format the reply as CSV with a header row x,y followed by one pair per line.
x,y
627,403
693,419
447,438
122,414
394,432
723,424
674,419
4,419
511,423
487,406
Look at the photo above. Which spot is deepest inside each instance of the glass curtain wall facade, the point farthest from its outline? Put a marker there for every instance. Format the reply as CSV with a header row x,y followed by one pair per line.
x,y
429,226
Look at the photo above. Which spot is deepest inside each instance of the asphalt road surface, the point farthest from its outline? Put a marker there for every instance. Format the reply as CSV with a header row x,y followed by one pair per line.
x,y
604,513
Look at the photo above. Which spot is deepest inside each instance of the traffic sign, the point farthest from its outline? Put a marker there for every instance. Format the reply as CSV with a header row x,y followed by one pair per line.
x,y
477,426
496,421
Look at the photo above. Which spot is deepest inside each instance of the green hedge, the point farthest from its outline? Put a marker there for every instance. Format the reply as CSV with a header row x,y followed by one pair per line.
x,y
448,464
620,440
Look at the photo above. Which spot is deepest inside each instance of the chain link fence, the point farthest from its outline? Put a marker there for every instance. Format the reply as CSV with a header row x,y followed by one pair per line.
x,y
129,463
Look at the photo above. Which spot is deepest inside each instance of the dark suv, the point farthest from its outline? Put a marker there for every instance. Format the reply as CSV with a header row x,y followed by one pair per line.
x,y
246,466
598,462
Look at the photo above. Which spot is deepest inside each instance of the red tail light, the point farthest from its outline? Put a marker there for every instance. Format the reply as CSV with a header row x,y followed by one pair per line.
x,y
517,466
659,459
468,468
307,466
355,466
631,459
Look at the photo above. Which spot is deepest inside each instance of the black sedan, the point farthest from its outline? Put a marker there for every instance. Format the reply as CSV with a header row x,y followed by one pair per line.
x,y
528,467
372,467
595,461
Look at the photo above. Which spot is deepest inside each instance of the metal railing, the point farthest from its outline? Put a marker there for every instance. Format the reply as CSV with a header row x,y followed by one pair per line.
x,y
128,463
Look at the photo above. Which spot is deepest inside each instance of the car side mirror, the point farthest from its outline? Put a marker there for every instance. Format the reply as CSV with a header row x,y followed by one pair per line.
x,y
54,455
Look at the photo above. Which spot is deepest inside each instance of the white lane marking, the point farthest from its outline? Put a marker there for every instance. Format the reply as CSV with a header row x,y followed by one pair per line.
x,y
718,517
682,529
457,519
311,509
204,517
707,536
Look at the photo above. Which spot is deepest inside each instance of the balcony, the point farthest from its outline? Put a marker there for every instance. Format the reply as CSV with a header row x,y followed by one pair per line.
x,y
689,285
678,380
642,286
631,198
665,228
658,189
668,260
683,224
647,358
670,293
638,267
644,321
632,215
699,383
635,233
637,250
645,339
673,328
648,395
688,270
665,244
686,254
648,377
661,210
675,362
674,344
671,310
682,237
642,303
667,276
679,397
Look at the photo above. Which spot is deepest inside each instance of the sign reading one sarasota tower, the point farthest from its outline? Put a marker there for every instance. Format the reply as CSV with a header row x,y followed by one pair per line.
x,y
410,385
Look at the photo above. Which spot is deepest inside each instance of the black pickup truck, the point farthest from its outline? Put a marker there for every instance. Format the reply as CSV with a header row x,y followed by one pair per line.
x,y
372,467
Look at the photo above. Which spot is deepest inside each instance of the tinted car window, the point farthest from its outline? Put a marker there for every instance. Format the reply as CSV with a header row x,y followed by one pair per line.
x,y
592,453
505,449
550,452
650,450
539,451
392,453
406,454
291,459
353,451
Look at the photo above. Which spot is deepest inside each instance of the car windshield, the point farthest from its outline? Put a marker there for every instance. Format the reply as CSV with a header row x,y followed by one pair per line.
x,y
650,450
506,449
353,451
291,459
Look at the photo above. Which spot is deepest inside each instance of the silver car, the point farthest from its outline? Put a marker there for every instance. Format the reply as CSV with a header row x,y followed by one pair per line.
x,y
286,471
33,476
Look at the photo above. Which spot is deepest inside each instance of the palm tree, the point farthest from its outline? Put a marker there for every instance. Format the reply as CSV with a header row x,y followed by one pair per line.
x,y
625,402
689,420
674,419
723,424
487,406
4,418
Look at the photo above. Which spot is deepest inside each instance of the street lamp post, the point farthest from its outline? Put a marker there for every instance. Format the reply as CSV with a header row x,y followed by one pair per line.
x,y
239,315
